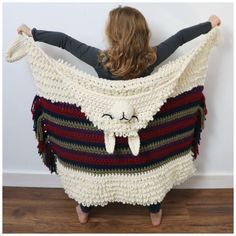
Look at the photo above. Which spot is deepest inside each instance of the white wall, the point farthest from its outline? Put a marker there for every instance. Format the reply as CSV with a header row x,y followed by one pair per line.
x,y
86,21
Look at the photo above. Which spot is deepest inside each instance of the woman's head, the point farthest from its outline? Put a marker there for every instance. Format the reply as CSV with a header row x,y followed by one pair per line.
x,y
128,35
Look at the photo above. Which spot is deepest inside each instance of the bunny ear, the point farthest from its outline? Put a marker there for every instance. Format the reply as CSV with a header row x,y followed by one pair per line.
x,y
17,50
219,37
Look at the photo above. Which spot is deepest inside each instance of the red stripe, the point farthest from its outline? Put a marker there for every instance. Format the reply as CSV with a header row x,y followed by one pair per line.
x,y
169,127
121,160
73,111
155,132
63,109
183,100
74,135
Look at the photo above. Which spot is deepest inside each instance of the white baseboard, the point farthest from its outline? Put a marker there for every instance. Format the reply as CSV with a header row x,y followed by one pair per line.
x,y
52,180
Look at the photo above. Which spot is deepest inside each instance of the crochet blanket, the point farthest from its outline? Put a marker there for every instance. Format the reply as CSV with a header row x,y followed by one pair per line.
x,y
129,141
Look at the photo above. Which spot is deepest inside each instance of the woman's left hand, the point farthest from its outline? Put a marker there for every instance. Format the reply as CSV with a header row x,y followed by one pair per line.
x,y
215,20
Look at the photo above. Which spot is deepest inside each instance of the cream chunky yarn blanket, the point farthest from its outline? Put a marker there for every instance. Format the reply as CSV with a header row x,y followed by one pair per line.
x,y
118,109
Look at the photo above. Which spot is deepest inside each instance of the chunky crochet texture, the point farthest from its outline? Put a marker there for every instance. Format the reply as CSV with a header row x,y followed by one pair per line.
x,y
101,158
119,108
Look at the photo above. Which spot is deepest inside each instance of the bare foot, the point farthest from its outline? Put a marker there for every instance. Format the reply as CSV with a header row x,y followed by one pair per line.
x,y
156,217
82,216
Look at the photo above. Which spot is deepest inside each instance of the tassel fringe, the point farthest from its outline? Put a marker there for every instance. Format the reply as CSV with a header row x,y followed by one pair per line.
x,y
201,117
44,148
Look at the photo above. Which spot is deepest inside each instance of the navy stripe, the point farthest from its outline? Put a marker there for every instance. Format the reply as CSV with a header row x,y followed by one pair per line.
x,y
99,132
78,130
162,114
159,114
121,145
125,167
67,118
87,121
116,155
169,123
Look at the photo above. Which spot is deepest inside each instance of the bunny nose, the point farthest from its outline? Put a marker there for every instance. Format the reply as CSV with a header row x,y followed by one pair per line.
x,y
122,111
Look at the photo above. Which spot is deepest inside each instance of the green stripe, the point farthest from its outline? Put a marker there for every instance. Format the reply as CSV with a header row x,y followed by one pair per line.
x,y
39,128
203,117
174,116
157,121
122,171
70,124
102,151
124,151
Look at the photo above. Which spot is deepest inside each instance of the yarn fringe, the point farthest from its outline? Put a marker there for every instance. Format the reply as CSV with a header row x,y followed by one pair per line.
x,y
44,147
201,117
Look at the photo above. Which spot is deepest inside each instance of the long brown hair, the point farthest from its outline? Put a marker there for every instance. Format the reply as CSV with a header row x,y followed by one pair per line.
x,y
128,34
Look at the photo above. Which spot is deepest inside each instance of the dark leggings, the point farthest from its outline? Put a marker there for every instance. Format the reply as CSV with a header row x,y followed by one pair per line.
x,y
153,208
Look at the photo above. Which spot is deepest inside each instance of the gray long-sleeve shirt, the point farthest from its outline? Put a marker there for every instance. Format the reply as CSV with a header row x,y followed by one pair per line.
x,y
89,54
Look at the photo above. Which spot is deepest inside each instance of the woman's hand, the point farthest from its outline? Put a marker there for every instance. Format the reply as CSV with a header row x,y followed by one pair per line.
x,y
215,21
24,28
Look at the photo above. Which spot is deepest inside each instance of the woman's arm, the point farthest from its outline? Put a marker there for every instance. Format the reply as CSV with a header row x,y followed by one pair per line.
x,y
84,52
167,47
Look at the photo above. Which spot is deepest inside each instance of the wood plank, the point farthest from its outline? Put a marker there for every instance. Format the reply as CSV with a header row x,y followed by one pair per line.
x,y
50,210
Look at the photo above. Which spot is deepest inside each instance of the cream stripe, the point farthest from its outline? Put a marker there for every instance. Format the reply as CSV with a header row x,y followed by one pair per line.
x,y
143,188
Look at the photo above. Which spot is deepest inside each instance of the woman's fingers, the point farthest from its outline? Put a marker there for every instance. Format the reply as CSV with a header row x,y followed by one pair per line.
x,y
24,28
215,20
19,31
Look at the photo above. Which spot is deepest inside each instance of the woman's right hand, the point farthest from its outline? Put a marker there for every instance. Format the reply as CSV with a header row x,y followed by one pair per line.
x,y
215,21
24,28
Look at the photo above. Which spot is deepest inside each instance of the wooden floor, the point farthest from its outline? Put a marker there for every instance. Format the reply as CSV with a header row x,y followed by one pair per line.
x,y
44,210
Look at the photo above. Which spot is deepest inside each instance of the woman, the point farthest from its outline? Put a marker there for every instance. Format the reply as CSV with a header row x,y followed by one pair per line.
x,y
128,56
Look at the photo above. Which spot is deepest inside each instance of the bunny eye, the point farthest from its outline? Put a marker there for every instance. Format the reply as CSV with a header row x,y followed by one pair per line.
x,y
108,115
